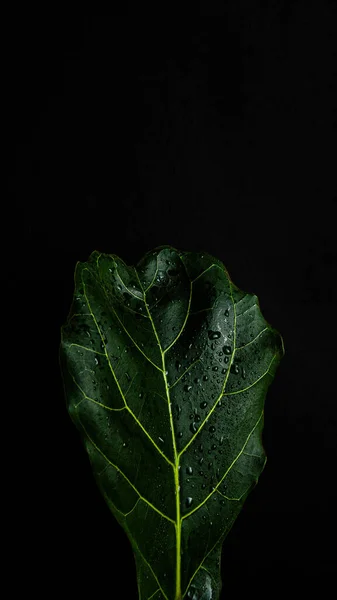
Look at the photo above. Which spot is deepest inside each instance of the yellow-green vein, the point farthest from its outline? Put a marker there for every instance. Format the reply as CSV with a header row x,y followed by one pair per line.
x,y
117,382
176,456
125,477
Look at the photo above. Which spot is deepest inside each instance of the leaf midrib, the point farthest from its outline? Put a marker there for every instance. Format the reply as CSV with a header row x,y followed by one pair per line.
x,y
178,520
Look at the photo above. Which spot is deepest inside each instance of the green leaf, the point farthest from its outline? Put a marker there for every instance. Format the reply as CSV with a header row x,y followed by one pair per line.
x,y
166,367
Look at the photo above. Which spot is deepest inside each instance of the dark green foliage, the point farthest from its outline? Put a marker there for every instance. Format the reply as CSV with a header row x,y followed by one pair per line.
x,y
166,368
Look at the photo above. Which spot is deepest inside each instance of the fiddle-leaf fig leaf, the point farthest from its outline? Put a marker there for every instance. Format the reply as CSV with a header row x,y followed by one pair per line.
x,y
166,366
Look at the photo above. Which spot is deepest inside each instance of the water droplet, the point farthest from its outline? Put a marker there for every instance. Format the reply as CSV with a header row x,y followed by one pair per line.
x,y
197,418
205,377
201,460
124,444
223,371
178,365
203,486
227,312
215,368
235,369
221,440
140,395
128,376
161,440
180,434
203,404
187,388
214,335
211,429
214,447
189,470
189,501
210,465
194,427
107,387
96,360
227,349
243,373
201,448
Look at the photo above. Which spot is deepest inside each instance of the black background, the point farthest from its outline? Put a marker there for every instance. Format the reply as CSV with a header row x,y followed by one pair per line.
x,y
215,133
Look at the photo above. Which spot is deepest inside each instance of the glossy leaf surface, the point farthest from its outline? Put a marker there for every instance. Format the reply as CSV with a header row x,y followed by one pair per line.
x,y
166,367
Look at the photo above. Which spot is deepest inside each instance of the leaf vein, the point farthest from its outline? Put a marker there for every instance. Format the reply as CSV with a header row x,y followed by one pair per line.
x,y
118,384
141,497
226,473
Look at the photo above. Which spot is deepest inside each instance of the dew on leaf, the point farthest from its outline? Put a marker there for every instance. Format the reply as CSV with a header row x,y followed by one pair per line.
x,y
205,377
189,470
187,388
215,368
203,404
189,501
226,312
211,429
227,349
